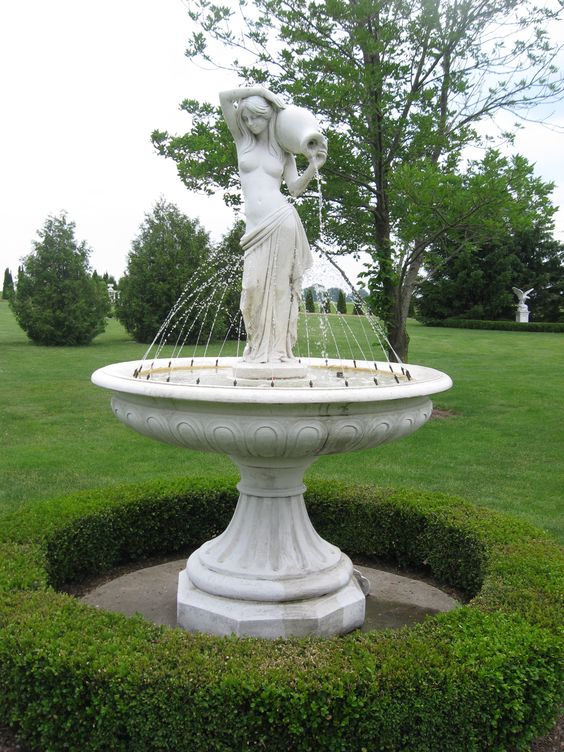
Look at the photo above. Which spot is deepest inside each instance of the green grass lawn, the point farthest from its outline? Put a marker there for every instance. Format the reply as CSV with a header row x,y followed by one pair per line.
x,y
503,447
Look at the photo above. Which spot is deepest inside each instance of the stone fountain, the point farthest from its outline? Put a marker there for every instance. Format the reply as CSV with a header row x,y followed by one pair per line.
x,y
269,574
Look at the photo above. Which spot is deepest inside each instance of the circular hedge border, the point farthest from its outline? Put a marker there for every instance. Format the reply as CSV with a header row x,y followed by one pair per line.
x,y
486,676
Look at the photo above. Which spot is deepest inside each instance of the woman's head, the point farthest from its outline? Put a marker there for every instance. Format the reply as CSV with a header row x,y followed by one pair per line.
x,y
254,115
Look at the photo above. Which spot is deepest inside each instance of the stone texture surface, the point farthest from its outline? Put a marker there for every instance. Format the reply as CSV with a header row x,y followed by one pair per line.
x,y
266,431
335,613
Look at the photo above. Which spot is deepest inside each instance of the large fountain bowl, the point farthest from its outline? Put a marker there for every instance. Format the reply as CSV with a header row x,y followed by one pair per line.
x,y
274,418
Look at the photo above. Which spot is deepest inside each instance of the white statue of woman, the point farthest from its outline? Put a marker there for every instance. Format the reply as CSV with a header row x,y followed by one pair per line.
x,y
276,249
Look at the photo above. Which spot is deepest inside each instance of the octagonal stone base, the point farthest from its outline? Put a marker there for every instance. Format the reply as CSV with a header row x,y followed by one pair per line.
x,y
336,613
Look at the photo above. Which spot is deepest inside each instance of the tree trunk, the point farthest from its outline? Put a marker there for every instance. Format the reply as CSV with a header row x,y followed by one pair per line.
x,y
403,292
399,340
391,297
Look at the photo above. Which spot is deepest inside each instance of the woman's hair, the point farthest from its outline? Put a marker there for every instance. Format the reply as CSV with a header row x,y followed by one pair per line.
x,y
258,106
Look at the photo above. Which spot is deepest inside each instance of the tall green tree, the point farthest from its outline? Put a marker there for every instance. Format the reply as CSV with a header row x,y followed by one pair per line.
x,y
401,88
109,279
501,232
308,300
477,283
8,286
57,300
168,258
227,262
543,268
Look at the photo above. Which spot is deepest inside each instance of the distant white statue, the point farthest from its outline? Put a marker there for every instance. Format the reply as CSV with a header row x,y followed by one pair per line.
x,y
523,296
112,293
267,134
522,315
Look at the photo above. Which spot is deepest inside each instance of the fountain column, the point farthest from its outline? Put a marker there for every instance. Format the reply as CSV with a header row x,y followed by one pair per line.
x,y
270,574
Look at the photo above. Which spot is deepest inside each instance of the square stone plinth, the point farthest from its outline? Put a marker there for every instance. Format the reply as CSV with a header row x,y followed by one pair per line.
x,y
327,615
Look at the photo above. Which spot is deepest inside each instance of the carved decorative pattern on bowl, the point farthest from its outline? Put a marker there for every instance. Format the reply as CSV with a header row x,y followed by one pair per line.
x,y
200,427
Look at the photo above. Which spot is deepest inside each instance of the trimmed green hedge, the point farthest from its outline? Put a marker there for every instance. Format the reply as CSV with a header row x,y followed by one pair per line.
x,y
513,326
486,676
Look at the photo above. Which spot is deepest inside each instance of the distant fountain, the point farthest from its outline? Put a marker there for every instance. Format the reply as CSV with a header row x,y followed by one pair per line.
x,y
274,408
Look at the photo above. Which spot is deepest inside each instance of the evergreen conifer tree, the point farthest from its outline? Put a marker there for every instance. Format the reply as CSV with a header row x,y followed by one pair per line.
x,y
57,300
309,301
8,286
169,253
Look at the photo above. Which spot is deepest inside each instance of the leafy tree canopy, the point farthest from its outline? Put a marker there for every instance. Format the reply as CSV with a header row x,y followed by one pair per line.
x,y
57,299
505,236
401,88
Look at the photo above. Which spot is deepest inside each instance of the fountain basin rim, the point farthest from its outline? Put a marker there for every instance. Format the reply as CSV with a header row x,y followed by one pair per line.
x,y
118,377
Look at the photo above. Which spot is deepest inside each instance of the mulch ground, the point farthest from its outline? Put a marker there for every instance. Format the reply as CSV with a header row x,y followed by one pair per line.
x,y
553,742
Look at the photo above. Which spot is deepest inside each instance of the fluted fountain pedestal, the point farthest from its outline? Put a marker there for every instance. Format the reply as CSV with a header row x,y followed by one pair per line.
x,y
270,574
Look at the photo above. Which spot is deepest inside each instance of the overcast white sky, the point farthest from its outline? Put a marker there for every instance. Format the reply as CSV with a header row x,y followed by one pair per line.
x,y
83,86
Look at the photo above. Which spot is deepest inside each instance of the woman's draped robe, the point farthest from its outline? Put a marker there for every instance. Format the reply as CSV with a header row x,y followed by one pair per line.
x,y
277,254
